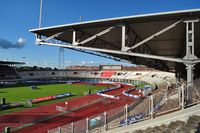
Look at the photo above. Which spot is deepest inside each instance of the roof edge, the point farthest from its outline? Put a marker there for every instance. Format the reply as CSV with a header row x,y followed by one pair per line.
x,y
117,18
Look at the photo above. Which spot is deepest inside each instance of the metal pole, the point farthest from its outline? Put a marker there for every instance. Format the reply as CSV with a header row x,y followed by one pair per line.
x,y
179,97
105,121
87,125
152,108
59,129
183,96
126,113
72,125
149,106
40,17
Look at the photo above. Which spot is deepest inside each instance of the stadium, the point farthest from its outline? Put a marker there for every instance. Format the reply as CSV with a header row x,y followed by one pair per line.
x,y
160,94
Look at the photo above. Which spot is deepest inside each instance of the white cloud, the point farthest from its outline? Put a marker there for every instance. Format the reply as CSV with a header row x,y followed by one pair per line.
x,y
21,41
6,44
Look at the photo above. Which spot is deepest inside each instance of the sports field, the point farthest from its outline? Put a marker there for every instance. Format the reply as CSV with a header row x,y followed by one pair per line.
x,y
24,93
40,119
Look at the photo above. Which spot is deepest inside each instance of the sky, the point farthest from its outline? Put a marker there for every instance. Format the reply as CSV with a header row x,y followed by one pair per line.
x,y
17,17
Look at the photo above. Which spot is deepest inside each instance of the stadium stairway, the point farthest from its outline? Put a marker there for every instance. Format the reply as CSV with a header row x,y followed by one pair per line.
x,y
182,121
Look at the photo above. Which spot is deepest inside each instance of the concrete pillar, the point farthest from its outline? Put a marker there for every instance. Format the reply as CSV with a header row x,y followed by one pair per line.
x,y
189,83
190,56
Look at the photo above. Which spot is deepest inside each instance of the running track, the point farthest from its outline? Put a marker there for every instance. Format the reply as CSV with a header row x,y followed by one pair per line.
x,y
38,113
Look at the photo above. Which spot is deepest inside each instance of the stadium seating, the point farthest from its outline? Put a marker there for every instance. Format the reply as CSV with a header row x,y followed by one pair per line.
x,y
107,74
7,72
152,78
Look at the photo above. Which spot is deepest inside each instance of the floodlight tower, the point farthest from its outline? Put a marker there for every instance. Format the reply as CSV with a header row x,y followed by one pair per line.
x,y
40,18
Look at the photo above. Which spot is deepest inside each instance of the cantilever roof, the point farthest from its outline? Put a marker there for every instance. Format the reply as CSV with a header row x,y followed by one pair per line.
x,y
144,17
139,27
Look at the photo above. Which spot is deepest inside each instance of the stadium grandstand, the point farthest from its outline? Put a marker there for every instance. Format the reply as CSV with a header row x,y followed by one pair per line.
x,y
161,94
164,41
7,69
144,81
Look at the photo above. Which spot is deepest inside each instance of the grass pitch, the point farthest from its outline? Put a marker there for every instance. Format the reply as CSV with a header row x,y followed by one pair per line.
x,y
24,93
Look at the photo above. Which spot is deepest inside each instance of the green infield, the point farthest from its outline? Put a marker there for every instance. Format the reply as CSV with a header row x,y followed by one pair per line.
x,y
15,94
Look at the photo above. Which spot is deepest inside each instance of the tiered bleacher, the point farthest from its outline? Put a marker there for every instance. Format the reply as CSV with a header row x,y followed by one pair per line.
x,y
163,99
7,72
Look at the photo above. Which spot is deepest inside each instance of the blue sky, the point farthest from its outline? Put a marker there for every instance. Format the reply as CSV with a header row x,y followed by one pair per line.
x,y
17,17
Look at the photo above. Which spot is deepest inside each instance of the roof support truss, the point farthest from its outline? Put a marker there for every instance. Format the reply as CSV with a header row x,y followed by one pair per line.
x,y
145,49
154,35
67,45
100,54
92,37
95,39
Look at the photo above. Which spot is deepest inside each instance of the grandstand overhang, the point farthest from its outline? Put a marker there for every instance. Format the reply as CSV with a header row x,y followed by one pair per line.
x,y
159,37
160,40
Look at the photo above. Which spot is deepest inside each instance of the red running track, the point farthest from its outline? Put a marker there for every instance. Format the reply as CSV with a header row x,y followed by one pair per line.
x,y
34,114
38,113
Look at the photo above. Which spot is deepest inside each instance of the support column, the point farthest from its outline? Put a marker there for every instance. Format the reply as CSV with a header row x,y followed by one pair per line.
x,y
74,38
190,56
123,48
189,82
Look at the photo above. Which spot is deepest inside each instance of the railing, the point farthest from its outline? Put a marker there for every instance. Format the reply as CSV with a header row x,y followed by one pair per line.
x,y
155,105
166,102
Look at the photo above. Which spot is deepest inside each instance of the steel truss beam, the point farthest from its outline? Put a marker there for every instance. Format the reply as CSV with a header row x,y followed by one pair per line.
x,y
144,48
93,37
100,55
154,35
67,45
52,41
53,36
105,42
74,42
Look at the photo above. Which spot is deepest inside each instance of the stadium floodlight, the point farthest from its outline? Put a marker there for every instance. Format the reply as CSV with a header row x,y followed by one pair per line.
x,y
40,17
